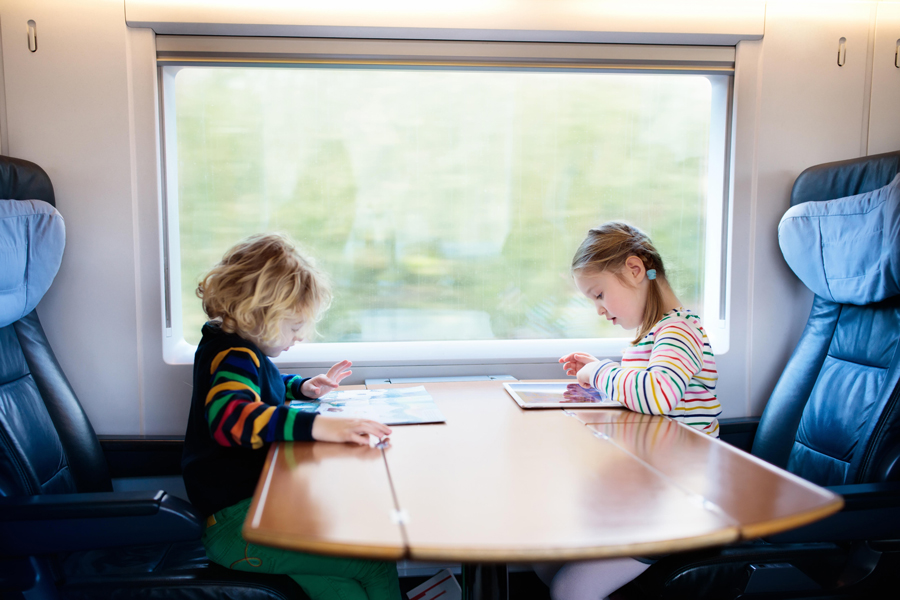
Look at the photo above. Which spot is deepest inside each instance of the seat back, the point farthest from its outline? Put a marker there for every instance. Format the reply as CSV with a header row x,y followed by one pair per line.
x,y
47,444
834,415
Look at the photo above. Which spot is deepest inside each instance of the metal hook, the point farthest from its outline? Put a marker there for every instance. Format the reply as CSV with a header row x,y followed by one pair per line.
x,y
32,36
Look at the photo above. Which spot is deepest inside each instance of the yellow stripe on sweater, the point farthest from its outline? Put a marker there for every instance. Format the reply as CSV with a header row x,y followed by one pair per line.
x,y
258,423
655,399
221,356
230,385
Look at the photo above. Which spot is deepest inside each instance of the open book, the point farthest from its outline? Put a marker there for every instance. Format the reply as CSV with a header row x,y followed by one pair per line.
x,y
549,394
391,406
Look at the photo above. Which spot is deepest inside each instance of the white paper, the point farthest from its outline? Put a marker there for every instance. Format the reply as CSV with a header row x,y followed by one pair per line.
x,y
443,586
391,406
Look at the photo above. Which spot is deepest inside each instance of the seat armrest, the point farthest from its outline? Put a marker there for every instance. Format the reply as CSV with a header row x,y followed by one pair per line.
x,y
142,455
864,496
80,506
871,512
51,523
739,432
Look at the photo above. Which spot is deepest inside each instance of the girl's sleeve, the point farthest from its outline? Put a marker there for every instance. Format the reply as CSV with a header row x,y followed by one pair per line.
x,y
293,385
234,411
676,356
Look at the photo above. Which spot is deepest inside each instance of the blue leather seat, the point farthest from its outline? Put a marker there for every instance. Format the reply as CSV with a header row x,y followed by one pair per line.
x,y
834,415
63,531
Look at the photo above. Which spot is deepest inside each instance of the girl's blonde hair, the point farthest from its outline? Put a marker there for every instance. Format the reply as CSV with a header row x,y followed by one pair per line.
x,y
607,247
258,283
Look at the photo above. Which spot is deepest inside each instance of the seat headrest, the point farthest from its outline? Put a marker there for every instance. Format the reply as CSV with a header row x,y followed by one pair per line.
x,y
846,250
32,239
24,180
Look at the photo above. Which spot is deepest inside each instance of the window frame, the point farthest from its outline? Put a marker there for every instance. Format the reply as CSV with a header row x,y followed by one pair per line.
x,y
715,62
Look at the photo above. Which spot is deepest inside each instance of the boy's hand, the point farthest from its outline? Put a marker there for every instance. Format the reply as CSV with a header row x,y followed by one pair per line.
x,y
336,429
320,385
573,363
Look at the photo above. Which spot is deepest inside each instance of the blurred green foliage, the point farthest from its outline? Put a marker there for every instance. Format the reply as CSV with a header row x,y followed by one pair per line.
x,y
444,204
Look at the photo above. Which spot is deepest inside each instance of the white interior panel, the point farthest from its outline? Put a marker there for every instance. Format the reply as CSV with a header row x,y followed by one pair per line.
x,y
611,21
810,112
68,111
884,116
733,385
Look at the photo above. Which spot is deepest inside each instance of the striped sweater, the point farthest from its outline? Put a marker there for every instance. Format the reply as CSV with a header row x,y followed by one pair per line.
x,y
671,371
235,411
240,404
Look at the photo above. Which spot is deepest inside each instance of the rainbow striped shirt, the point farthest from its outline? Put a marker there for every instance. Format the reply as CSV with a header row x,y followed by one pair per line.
x,y
237,413
671,371
239,406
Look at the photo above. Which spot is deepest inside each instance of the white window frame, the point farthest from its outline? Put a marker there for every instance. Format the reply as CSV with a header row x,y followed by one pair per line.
x,y
717,62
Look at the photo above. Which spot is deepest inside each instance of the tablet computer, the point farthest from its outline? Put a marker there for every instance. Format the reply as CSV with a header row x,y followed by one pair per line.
x,y
549,394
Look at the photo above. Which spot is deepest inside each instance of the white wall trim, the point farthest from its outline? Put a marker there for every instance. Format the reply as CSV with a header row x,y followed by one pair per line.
x,y
707,22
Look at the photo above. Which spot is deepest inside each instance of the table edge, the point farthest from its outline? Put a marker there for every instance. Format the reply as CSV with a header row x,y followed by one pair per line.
x,y
354,550
721,537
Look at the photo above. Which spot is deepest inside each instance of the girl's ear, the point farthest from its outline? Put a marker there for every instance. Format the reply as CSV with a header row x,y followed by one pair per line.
x,y
634,266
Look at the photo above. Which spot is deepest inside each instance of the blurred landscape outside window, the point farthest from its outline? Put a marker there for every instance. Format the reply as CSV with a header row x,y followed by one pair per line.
x,y
444,204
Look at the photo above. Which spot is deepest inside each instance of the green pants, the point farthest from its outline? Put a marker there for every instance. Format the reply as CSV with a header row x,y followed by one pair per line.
x,y
321,577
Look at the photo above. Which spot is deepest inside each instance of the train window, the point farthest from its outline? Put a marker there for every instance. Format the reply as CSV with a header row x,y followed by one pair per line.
x,y
444,196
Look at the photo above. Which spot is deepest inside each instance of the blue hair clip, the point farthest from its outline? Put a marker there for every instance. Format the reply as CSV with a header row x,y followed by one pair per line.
x,y
651,273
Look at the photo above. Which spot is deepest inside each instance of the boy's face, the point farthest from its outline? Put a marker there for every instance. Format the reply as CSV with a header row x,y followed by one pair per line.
x,y
290,333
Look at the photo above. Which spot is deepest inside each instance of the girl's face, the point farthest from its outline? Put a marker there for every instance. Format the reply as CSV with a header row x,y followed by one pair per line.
x,y
289,334
621,298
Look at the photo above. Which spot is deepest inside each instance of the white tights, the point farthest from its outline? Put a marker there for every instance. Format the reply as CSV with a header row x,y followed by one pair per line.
x,y
590,579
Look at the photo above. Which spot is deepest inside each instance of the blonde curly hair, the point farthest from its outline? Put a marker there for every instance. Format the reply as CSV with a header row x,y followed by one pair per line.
x,y
261,281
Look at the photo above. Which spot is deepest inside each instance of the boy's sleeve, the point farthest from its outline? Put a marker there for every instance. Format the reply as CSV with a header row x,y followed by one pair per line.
x,y
676,356
293,385
234,411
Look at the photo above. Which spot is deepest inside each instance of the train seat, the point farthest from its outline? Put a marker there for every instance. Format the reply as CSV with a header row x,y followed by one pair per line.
x,y
64,532
834,415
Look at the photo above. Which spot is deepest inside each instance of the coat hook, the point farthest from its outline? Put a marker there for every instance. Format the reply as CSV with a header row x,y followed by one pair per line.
x,y
32,36
842,51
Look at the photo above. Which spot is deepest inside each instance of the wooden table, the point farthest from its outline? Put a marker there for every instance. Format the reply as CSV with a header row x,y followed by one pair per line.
x,y
497,483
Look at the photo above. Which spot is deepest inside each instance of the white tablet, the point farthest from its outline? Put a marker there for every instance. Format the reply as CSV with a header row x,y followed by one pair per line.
x,y
548,394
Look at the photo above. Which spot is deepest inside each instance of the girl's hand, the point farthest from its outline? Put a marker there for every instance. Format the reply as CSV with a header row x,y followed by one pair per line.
x,y
320,385
585,378
336,429
573,363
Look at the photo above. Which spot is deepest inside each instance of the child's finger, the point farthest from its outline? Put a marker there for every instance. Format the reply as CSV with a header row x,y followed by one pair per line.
x,y
359,438
375,428
337,368
361,430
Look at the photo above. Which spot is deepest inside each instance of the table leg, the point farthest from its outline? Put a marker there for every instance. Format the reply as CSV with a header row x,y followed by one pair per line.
x,y
485,582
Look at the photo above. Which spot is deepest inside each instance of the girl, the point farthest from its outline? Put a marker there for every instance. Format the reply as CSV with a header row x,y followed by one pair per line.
x,y
263,297
668,370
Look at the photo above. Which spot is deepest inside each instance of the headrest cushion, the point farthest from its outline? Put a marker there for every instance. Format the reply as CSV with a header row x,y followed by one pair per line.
x,y
32,239
846,250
